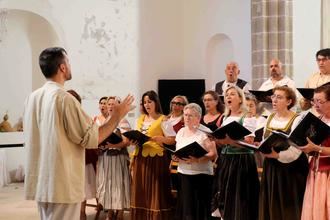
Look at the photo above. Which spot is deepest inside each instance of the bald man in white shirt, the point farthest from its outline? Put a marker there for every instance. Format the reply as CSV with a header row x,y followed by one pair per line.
x,y
277,78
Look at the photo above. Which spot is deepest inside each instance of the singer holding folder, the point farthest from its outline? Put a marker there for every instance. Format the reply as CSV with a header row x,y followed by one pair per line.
x,y
195,174
317,196
285,168
236,185
151,192
113,177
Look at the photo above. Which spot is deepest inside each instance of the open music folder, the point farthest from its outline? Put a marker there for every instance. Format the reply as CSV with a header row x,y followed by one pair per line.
x,y
113,138
258,134
234,130
307,93
274,140
137,136
310,126
262,96
193,149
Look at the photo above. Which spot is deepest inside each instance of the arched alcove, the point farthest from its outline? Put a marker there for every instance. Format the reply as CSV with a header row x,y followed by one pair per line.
x,y
219,51
27,34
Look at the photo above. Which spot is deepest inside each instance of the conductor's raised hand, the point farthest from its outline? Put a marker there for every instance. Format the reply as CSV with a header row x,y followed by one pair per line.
x,y
124,107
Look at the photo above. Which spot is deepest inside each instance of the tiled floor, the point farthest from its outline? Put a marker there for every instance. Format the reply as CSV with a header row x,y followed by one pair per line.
x,y
14,207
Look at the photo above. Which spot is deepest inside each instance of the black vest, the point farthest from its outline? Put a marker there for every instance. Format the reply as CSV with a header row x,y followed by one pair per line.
x,y
218,87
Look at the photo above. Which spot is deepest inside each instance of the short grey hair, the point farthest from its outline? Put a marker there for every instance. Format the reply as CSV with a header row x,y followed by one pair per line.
x,y
195,107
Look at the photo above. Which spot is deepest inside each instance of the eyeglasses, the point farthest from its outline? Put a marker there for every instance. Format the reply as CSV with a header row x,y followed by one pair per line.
x,y
178,103
277,97
317,101
324,59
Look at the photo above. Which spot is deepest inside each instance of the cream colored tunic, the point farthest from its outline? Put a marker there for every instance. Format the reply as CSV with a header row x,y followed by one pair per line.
x,y
57,131
317,79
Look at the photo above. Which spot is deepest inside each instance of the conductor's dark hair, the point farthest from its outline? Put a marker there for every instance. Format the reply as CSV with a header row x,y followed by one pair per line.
x,y
153,97
50,60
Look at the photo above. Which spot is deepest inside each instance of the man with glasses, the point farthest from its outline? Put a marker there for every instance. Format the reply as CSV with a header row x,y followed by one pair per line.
x,y
319,78
323,75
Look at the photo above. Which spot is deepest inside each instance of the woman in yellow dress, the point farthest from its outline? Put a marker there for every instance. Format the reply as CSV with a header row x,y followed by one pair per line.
x,y
150,193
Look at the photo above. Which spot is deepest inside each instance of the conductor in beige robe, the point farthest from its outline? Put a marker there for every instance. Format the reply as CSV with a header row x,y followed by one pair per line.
x,y
57,131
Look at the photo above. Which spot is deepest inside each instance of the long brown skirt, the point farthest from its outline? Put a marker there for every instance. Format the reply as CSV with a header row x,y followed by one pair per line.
x,y
151,193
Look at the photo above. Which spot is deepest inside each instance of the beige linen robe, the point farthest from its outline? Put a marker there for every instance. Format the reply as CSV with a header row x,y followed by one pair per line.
x,y
57,131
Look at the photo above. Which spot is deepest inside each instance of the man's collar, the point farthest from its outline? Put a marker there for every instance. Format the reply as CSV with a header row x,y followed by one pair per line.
x,y
51,82
233,83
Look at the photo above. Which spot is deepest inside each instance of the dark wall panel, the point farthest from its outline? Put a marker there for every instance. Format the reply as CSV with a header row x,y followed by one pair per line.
x,y
168,88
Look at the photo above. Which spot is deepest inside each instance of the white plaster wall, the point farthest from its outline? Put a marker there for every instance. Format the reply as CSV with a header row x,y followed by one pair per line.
x,y
160,42
205,19
306,39
101,40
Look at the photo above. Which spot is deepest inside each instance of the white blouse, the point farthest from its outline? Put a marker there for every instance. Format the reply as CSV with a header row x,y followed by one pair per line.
x,y
194,168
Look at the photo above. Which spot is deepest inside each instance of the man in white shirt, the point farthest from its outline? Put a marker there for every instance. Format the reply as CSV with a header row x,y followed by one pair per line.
x,y
277,78
232,71
57,131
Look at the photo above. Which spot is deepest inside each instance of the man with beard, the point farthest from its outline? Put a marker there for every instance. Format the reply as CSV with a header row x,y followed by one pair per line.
x,y
277,78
